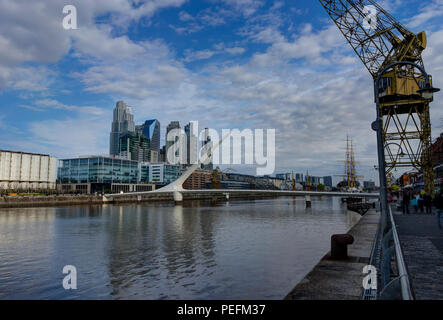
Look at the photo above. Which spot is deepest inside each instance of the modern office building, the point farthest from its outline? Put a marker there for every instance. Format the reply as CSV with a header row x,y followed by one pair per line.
x,y
135,146
207,145
122,123
327,181
191,143
27,171
299,177
172,126
162,173
284,176
100,174
151,130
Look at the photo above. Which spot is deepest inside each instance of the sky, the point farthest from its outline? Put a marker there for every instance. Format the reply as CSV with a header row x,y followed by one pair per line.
x,y
228,64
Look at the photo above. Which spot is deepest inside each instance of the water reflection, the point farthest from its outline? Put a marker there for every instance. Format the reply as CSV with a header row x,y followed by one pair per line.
x,y
232,250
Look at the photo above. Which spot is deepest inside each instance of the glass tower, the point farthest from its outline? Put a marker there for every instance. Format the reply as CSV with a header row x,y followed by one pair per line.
x,y
151,130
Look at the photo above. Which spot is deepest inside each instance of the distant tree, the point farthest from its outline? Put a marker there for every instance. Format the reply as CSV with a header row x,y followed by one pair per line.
x,y
321,187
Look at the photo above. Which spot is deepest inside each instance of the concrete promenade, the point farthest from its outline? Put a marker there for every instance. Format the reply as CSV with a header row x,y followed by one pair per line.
x,y
341,280
422,245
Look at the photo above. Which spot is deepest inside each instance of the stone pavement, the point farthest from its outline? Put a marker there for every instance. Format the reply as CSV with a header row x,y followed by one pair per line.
x,y
341,280
422,245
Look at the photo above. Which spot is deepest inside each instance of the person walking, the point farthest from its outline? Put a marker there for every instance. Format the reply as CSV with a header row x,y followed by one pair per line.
x,y
427,201
405,203
438,203
420,202
414,203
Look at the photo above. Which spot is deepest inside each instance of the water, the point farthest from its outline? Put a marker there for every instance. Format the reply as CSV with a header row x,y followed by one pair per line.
x,y
255,249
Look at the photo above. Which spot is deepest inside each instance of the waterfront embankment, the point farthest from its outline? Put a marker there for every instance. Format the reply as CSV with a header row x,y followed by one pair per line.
x,y
341,280
72,200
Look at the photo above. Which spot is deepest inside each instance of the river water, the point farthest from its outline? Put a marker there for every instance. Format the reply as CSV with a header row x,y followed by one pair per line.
x,y
251,249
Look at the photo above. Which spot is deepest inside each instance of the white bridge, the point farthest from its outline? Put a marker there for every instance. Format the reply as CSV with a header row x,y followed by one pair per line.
x,y
177,190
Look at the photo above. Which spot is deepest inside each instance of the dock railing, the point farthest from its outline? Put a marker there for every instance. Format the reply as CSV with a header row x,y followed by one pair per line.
x,y
395,281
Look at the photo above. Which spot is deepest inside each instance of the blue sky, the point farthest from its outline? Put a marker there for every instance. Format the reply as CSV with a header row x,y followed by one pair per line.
x,y
226,63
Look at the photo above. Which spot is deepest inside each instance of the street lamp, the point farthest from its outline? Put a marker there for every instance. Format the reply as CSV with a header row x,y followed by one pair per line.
x,y
399,155
427,93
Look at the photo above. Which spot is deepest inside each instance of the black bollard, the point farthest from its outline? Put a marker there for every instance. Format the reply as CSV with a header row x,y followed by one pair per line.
x,y
339,246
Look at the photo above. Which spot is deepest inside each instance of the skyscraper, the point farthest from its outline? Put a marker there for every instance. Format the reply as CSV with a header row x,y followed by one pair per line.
x,y
135,146
123,123
173,125
207,146
191,143
151,130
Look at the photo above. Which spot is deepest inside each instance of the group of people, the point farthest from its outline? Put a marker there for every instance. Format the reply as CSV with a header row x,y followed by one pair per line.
x,y
422,202
419,201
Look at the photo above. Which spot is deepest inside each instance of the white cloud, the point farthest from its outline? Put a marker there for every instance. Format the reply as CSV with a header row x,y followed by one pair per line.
x,y
428,11
73,136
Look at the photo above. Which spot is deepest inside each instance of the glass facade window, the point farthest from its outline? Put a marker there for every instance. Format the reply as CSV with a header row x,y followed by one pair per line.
x,y
98,170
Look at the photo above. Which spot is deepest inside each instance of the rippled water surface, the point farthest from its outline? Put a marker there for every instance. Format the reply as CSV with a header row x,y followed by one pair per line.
x,y
255,249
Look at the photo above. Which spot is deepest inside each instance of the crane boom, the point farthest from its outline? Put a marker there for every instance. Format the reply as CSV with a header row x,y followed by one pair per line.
x,y
380,40
376,37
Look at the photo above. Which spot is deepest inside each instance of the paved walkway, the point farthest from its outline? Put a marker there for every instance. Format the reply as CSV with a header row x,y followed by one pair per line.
x,y
422,245
341,280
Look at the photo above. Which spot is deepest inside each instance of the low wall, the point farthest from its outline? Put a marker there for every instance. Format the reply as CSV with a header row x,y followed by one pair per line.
x,y
45,201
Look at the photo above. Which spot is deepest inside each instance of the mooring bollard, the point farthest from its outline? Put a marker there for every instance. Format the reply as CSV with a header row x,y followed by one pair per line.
x,y
339,246
308,201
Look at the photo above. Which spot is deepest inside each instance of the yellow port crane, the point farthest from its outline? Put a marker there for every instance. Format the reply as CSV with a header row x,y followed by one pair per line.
x,y
379,40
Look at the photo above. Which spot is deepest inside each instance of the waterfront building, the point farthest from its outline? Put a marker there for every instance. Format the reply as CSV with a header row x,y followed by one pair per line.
x,y
100,174
284,176
327,181
27,171
151,130
163,173
122,123
198,180
299,177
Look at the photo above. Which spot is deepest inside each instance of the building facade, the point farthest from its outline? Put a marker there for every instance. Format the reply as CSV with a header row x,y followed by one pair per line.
x,y
207,145
198,180
174,125
191,144
122,123
151,130
100,174
27,171
162,173
327,181
135,146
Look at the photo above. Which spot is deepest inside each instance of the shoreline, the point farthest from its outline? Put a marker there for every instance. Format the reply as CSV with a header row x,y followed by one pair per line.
x,y
63,200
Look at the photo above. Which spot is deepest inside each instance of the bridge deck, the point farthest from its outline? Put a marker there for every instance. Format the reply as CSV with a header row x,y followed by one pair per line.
x,y
341,280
